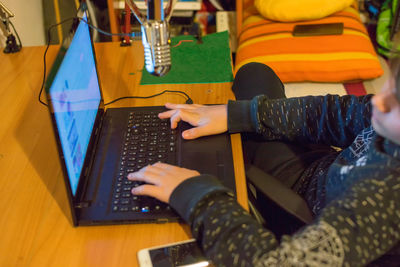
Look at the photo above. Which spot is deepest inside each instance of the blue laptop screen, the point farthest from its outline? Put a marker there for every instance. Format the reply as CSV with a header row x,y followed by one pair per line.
x,y
75,96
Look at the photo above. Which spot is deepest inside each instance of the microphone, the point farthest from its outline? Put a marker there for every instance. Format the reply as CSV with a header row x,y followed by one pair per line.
x,y
155,35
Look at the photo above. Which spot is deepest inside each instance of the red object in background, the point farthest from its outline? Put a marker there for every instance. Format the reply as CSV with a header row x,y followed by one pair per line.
x,y
207,6
357,89
127,26
201,18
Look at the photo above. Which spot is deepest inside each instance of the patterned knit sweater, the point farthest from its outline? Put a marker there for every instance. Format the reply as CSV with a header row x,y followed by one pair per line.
x,y
358,192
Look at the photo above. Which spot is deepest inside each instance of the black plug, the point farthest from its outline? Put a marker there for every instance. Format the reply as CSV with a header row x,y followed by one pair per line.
x,y
189,101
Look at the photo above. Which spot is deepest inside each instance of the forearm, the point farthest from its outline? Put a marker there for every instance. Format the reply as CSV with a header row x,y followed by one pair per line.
x,y
231,237
331,120
348,230
228,235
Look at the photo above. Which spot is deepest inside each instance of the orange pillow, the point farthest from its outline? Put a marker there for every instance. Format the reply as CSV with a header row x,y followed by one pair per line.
x,y
327,58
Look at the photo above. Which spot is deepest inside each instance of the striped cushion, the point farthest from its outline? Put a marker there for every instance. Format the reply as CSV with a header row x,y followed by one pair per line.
x,y
329,58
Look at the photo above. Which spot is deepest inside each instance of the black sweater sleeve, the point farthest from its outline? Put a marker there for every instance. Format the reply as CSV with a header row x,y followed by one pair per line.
x,y
331,119
351,231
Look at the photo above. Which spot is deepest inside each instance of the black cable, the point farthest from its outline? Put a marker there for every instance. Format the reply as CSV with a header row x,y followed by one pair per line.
x,y
48,44
45,53
188,99
44,56
133,34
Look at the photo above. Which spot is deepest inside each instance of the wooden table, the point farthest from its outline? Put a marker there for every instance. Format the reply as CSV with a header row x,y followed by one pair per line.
x,y
34,221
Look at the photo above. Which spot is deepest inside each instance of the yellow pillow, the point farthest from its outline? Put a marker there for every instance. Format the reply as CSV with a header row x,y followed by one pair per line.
x,y
295,10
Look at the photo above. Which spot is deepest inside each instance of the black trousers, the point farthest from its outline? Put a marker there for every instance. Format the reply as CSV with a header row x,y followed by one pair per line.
x,y
283,160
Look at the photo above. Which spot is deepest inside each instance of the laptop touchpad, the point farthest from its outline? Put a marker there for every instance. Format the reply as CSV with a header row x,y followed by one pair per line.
x,y
202,162
208,163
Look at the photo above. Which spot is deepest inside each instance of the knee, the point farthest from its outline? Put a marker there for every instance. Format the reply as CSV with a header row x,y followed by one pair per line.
x,y
257,79
254,68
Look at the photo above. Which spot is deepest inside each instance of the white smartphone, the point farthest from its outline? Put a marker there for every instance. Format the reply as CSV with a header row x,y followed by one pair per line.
x,y
183,254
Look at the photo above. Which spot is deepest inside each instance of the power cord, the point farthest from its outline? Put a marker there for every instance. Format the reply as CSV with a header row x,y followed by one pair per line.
x,y
133,34
44,56
188,99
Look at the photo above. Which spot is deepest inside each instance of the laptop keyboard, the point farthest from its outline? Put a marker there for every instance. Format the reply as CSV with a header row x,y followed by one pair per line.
x,y
148,140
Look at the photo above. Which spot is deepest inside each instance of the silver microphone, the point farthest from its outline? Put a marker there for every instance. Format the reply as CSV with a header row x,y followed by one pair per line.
x,y
155,35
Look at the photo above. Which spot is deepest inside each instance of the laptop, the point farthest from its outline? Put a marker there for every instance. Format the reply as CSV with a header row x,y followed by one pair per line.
x,y
98,147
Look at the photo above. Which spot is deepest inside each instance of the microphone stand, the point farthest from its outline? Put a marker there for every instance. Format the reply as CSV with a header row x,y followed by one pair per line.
x,y
11,43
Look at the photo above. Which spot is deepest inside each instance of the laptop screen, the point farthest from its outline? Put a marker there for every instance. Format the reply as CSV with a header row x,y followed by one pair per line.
x,y
75,96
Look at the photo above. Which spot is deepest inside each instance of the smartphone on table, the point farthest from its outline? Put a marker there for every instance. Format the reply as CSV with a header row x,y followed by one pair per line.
x,y
180,254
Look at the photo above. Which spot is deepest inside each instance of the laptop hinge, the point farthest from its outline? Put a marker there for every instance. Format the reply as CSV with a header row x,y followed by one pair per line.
x,y
84,204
